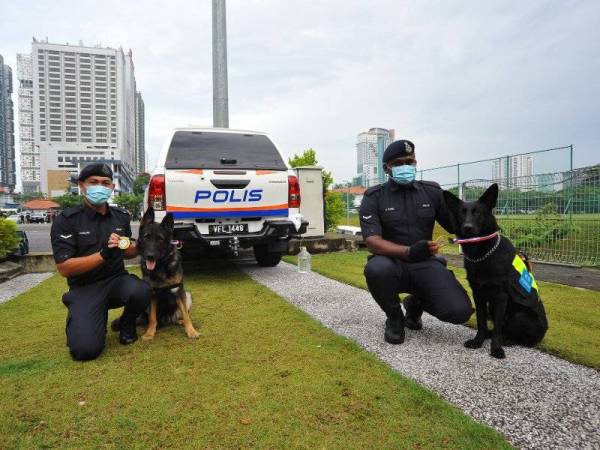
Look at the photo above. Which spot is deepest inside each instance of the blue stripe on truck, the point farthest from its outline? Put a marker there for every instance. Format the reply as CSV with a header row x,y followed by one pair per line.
x,y
216,214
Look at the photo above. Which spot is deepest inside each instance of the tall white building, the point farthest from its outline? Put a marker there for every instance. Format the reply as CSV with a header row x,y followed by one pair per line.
x,y
370,146
83,111
30,154
513,171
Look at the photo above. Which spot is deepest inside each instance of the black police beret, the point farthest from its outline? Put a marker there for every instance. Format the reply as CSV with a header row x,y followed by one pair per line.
x,y
99,169
398,149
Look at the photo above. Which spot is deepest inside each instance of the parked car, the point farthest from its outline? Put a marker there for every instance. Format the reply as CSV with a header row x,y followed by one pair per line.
x,y
37,218
15,218
23,247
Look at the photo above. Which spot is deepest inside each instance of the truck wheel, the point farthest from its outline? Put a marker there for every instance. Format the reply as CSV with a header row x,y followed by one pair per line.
x,y
266,258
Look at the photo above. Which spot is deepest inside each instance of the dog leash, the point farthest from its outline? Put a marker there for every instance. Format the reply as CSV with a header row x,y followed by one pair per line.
x,y
473,240
177,244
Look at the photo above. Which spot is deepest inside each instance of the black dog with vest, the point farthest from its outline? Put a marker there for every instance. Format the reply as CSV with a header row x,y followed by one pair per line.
x,y
502,283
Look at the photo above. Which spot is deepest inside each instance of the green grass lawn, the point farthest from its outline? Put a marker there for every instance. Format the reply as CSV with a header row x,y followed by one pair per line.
x,y
262,375
573,313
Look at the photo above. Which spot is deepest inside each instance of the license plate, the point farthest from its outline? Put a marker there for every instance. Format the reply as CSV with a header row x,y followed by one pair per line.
x,y
228,228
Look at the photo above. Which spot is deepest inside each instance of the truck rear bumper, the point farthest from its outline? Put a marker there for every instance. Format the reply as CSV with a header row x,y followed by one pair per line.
x,y
274,231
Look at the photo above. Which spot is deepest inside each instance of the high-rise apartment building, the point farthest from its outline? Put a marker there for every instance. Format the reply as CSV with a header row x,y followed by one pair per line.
x,y
7,134
515,171
370,146
83,111
140,140
30,154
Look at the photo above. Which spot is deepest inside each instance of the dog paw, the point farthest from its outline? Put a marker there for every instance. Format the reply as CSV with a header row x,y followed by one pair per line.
x,y
192,334
148,336
473,343
498,353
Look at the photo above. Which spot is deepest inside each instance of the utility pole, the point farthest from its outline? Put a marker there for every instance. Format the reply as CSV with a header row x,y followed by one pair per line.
x,y
219,39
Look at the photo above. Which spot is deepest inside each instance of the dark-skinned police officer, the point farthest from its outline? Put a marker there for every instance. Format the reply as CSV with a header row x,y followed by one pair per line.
x,y
85,242
397,220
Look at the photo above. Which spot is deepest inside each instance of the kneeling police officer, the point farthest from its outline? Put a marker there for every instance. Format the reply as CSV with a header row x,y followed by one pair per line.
x,y
89,243
397,220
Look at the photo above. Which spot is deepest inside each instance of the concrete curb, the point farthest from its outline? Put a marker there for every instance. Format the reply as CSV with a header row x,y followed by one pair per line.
x,y
9,269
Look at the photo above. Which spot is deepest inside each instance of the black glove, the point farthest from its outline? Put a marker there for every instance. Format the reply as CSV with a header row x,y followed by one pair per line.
x,y
419,251
109,253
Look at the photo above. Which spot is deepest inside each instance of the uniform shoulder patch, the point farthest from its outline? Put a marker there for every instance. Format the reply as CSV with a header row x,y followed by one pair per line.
x,y
373,189
432,184
72,210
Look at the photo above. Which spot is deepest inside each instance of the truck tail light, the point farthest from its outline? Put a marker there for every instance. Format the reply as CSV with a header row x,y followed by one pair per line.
x,y
156,193
293,192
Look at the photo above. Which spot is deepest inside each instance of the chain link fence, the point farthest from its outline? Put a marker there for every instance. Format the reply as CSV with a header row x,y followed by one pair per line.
x,y
547,208
553,217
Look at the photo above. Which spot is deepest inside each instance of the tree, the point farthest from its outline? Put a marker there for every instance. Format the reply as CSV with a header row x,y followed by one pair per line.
x,y
335,209
68,200
24,198
140,183
131,202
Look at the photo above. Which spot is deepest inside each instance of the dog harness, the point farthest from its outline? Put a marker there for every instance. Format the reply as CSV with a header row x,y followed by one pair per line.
x,y
526,279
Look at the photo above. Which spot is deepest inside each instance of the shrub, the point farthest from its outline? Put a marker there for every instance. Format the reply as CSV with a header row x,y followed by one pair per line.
x,y
9,240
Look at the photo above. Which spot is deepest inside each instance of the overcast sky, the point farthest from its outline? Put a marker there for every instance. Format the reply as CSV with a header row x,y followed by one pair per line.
x,y
462,80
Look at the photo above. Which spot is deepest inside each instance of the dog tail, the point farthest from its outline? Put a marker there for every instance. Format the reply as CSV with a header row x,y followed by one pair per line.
x,y
115,325
525,330
142,319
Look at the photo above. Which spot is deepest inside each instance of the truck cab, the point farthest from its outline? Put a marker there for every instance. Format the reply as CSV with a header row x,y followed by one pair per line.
x,y
226,189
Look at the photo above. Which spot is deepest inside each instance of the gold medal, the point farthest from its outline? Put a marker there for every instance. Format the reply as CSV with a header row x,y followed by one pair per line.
x,y
123,243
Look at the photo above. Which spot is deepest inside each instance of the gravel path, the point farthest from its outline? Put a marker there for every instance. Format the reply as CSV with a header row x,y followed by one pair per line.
x,y
534,399
11,288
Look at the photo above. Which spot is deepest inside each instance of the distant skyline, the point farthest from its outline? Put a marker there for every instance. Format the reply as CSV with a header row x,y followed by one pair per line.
x,y
462,80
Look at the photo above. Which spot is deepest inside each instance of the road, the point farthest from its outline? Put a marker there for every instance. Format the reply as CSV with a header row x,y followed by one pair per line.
x,y
39,235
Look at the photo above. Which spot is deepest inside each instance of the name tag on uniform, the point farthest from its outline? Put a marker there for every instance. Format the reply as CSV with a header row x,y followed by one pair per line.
x,y
426,205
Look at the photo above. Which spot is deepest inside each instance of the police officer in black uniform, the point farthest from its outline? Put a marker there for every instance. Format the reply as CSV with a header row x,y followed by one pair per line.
x,y
85,243
397,220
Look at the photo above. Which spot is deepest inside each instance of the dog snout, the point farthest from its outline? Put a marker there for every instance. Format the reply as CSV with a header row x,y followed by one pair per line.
x,y
467,228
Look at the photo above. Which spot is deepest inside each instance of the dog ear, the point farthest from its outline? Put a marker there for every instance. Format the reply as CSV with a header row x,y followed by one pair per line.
x,y
452,201
148,217
490,196
167,223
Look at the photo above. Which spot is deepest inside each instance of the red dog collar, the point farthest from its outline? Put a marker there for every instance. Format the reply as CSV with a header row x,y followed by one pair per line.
x,y
473,240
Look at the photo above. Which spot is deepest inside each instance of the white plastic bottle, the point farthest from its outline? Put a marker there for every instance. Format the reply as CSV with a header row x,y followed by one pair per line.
x,y
303,261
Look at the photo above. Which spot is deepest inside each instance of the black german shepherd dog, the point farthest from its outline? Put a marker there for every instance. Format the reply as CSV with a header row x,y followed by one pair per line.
x,y
162,269
502,285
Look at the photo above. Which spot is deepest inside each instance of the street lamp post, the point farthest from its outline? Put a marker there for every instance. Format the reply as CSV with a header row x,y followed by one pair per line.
x,y
220,95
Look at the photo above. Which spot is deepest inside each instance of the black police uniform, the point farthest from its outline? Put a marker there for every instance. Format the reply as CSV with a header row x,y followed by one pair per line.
x,y
81,231
405,214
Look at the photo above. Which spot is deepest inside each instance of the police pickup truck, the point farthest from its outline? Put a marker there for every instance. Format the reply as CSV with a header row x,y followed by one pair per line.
x,y
226,189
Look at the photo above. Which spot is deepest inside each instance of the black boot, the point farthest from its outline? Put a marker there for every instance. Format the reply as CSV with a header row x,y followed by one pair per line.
x,y
127,329
414,311
394,330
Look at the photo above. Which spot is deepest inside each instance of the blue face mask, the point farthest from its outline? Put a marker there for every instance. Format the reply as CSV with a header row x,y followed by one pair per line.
x,y
97,194
404,174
